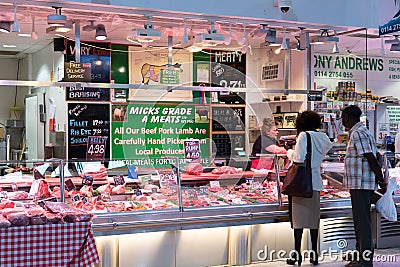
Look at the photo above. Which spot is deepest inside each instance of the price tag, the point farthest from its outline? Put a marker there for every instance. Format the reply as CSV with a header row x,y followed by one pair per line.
x,y
96,147
192,194
138,192
214,184
14,186
50,199
192,149
329,105
39,170
167,178
105,196
327,117
154,190
145,179
203,190
119,179
76,197
84,199
69,185
3,195
87,180
250,180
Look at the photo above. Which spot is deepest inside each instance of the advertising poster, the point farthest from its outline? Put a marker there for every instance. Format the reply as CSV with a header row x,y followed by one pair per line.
x,y
153,135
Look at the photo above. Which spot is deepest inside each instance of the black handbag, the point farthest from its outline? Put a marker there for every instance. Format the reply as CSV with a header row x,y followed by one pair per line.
x,y
298,180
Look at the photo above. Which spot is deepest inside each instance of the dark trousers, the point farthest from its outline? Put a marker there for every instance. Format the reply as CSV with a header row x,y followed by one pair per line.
x,y
361,208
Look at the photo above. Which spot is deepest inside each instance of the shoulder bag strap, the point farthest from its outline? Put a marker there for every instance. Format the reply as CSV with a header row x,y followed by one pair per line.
x,y
308,155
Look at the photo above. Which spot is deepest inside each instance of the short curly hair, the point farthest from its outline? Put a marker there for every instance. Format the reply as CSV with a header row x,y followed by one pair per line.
x,y
308,120
268,123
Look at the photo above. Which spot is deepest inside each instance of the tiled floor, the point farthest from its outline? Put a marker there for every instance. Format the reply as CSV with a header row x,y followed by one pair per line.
x,y
383,258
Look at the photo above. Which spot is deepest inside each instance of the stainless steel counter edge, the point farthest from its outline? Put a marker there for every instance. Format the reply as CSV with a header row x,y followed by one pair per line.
x,y
206,217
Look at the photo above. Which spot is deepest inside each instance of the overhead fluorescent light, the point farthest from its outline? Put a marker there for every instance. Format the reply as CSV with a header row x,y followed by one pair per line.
x,y
148,34
9,46
25,35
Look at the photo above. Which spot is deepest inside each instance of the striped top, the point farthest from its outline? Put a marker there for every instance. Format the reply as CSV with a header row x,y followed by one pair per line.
x,y
358,174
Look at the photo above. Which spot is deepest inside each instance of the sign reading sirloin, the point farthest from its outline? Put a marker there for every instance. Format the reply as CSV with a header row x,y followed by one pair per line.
x,y
77,72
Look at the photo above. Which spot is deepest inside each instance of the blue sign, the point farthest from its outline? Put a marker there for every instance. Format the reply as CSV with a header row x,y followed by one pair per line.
x,y
392,26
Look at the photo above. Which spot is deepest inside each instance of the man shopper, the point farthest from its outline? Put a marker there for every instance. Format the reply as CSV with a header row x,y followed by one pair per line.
x,y
362,175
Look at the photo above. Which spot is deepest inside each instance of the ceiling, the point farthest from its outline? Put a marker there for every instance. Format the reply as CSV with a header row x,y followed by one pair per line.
x,y
120,21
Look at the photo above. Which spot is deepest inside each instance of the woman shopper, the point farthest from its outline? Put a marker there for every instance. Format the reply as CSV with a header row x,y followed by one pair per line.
x,y
305,212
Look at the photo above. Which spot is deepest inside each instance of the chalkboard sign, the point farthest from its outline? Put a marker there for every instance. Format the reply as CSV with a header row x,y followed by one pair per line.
x,y
77,72
87,94
225,144
228,69
86,120
228,118
97,55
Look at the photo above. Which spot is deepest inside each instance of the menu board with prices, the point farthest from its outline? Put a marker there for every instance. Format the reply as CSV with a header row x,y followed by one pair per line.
x,y
84,121
228,69
228,118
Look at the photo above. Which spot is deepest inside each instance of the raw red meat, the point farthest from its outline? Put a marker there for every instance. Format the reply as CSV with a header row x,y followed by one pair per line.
x,y
35,220
119,189
4,223
194,168
18,219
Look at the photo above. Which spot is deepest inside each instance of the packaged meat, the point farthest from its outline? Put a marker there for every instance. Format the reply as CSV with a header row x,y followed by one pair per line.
x,y
4,223
18,219
58,207
38,219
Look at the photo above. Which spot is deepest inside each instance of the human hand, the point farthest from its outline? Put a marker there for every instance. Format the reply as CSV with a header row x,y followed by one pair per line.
x,y
383,187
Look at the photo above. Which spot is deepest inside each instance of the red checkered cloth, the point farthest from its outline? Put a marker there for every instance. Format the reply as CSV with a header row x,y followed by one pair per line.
x,y
49,245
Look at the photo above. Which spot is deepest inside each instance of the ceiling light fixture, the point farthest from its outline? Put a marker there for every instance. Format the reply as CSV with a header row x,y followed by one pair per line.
x,y
284,45
395,44
228,40
90,27
65,28
56,19
101,33
15,27
242,40
35,35
335,48
5,26
325,38
212,38
146,35
270,36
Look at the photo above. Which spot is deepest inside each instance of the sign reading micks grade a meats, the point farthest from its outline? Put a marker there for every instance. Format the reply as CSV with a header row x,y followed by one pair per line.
x,y
151,134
